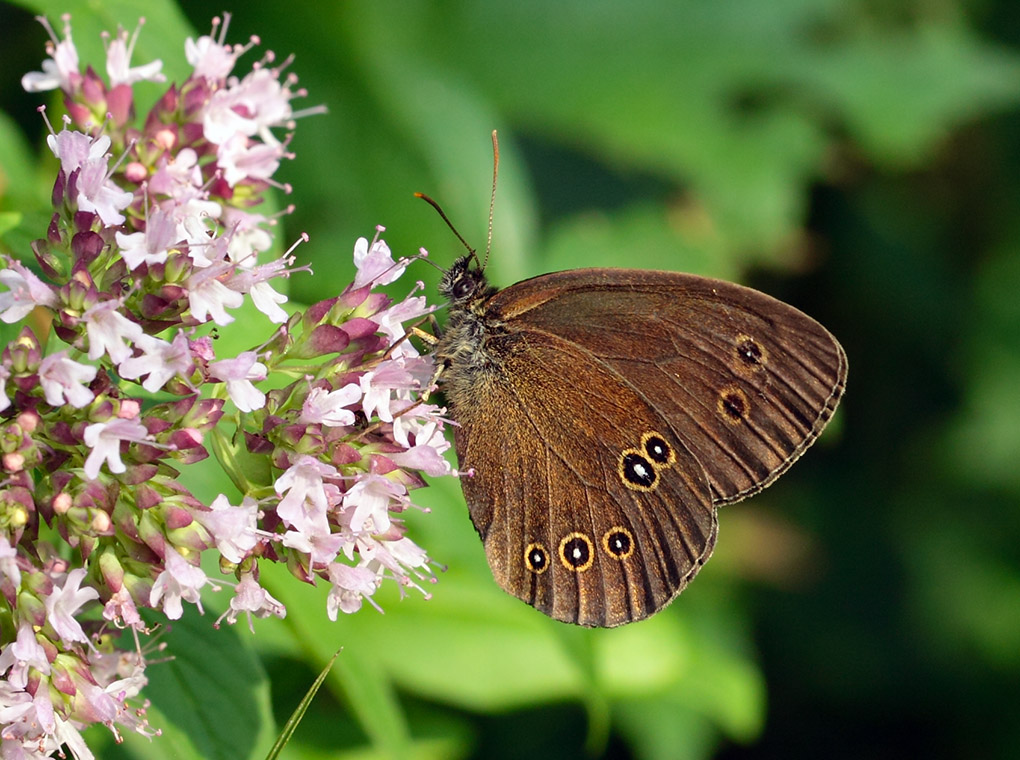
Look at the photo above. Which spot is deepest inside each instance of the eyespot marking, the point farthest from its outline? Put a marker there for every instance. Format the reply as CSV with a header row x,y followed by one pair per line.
x,y
733,404
576,552
536,559
750,353
657,449
637,471
618,542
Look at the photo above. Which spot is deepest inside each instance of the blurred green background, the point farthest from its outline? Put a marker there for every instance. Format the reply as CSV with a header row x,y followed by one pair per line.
x,y
860,160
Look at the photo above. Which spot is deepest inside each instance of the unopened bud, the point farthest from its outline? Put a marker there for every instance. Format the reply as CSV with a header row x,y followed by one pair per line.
x,y
62,503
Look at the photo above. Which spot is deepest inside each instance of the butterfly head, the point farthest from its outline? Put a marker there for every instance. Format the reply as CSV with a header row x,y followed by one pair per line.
x,y
465,283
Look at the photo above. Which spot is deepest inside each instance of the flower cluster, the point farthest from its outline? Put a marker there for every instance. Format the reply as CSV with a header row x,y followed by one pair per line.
x,y
114,384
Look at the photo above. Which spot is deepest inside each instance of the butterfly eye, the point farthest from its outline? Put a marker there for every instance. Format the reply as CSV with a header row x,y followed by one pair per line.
x,y
463,287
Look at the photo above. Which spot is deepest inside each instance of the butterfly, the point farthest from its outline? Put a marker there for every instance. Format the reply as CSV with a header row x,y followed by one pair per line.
x,y
604,415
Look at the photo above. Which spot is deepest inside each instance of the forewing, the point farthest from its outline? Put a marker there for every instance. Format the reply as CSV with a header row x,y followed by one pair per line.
x,y
747,381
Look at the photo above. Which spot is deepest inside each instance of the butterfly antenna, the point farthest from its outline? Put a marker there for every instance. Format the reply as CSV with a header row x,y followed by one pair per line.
x,y
492,199
438,208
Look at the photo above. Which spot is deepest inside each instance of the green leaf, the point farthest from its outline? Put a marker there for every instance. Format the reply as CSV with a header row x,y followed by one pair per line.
x,y
881,85
357,677
300,710
211,699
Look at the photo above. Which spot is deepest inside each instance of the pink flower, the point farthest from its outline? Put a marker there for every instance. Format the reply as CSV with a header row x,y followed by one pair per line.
x,y
232,528
426,457
8,562
63,379
26,291
307,496
211,58
88,156
378,386
371,498
152,245
330,408
350,586
321,547
160,360
391,322
179,581
104,438
120,608
177,175
75,149
251,599
108,330
243,159
61,68
24,653
99,194
238,374
375,264
118,57
64,602
248,107
210,298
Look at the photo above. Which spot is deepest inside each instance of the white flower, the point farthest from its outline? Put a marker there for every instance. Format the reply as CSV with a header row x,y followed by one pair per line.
x,y
75,149
211,58
254,280
118,58
330,408
151,246
5,400
63,603
63,379
238,374
160,360
210,298
375,264
307,495
61,68
251,599
232,528
108,330
371,498
179,581
26,291
350,585
104,438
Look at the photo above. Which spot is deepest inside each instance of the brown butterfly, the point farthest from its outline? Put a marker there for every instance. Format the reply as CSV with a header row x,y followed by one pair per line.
x,y
605,414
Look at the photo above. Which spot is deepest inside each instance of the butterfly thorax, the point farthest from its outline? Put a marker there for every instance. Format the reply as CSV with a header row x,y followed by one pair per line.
x,y
461,351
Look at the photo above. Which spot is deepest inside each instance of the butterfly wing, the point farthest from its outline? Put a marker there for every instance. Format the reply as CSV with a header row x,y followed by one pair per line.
x,y
747,381
590,506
